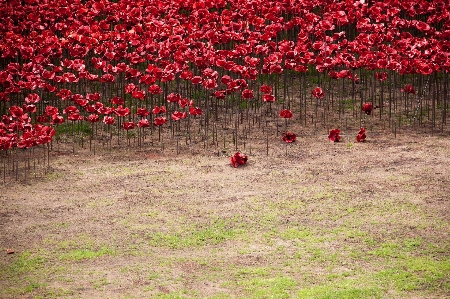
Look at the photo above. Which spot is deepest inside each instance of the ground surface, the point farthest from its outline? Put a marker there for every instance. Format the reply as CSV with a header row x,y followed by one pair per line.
x,y
314,220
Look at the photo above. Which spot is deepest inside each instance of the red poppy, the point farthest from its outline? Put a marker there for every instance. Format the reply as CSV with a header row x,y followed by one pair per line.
x,y
268,98
158,110
185,102
117,101
178,115
318,93
289,137
42,119
74,116
108,120
70,109
143,123
286,113
238,159
121,111
195,111
138,94
29,108
128,125
367,108
334,135
408,89
142,112
16,111
93,118
381,76
57,119
173,97
266,88
361,135
159,121
155,89
247,94
32,98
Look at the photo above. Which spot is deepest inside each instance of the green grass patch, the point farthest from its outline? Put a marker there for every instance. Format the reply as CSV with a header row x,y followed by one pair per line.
x,y
214,234
81,254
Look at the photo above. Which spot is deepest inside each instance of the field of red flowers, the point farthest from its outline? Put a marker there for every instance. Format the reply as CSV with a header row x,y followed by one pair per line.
x,y
116,72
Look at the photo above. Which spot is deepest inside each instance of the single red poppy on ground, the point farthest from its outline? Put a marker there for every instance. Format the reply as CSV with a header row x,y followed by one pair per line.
x,y
238,159
128,125
286,113
159,121
334,135
318,93
361,135
367,108
178,115
289,137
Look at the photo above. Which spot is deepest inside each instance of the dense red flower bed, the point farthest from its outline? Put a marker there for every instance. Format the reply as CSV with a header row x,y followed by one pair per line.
x,y
114,61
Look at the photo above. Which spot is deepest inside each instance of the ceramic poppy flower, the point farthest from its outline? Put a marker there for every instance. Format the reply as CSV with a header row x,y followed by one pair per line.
x,y
57,119
16,111
286,113
159,121
247,94
117,101
367,108
318,93
178,115
268,98
121,111
158,110
143,123
138,94
361,135
155,89
142,112
238,159
408,89
289,137
266,88
93,118
334,135
195,111
128,125
108,120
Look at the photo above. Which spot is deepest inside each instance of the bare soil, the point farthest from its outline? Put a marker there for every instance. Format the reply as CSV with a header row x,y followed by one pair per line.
x,y
143,223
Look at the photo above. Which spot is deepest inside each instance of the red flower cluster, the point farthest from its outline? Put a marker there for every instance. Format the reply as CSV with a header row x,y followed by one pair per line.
x,y
289,137
238,159
367,108
334,135
361,135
